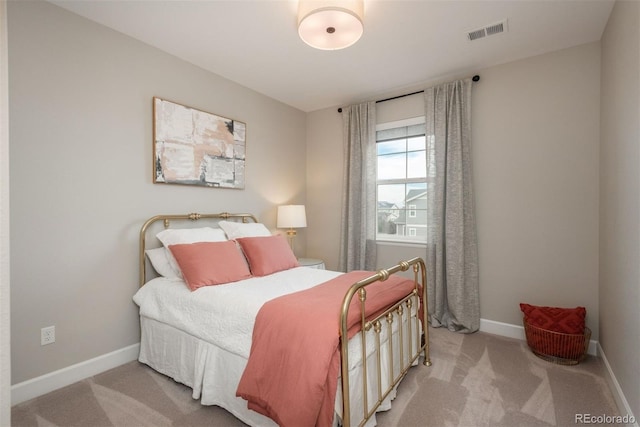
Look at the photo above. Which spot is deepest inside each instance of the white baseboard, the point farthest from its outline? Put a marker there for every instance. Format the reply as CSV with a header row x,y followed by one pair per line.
x,y
38,386
517,332
618,395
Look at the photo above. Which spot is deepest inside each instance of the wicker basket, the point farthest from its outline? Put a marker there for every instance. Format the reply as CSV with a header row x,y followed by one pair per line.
x,y
556,347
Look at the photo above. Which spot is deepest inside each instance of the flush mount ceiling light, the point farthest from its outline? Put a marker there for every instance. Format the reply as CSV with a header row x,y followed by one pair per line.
x,y
330,25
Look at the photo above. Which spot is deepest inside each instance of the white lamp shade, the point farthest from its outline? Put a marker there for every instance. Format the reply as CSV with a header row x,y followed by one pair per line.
x,y
291,216
330,24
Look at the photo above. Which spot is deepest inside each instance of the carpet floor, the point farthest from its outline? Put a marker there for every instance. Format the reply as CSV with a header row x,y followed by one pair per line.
x,y
475,380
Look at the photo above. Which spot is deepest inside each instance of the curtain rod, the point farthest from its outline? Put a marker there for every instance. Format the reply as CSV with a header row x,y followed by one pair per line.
x,y
474,78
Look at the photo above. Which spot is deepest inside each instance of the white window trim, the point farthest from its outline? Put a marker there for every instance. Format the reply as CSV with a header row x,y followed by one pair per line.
x,y
404,244
401,123
403,240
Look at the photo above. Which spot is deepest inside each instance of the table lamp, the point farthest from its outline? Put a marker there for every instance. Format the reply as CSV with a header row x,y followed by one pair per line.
x,y
291,217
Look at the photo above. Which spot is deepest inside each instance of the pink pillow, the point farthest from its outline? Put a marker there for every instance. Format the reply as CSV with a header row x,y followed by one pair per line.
x,y
267,254
556,319
210,263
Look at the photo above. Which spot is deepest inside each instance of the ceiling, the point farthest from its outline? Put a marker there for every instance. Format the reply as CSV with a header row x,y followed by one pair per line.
x,y
405,43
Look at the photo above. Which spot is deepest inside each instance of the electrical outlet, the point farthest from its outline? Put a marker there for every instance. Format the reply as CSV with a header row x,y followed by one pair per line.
x,y
48,335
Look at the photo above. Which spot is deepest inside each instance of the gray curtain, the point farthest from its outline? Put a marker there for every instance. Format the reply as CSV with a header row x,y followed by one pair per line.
x,y
452,251
357,236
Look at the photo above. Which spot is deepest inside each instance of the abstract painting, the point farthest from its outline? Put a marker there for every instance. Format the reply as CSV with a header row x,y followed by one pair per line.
x,y
194,147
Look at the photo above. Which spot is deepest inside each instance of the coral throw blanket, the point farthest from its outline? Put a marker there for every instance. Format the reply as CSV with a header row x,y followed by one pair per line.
x,y
292,372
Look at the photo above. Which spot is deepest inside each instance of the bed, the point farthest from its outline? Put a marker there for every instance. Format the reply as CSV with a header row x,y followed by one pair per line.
x,y
218,340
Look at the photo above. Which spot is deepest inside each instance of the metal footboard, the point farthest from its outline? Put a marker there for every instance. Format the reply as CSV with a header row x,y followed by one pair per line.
x,y
400,312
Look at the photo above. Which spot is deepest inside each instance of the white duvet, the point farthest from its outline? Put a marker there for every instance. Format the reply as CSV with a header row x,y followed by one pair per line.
x,y
222,315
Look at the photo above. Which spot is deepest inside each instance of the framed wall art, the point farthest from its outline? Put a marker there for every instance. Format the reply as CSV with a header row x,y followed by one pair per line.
x,y
194,147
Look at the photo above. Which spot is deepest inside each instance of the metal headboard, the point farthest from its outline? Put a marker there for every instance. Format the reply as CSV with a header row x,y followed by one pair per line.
x,y
167,219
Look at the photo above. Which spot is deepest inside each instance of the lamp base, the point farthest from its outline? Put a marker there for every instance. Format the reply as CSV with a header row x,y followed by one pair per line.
x,y
291,233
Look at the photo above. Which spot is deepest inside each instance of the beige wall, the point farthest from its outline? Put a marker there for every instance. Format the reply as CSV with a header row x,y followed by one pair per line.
x,y
535,149
324,185
5,317
81,168
620,199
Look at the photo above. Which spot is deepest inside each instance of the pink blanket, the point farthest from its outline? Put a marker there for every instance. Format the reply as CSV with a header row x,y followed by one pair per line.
x,y
293,368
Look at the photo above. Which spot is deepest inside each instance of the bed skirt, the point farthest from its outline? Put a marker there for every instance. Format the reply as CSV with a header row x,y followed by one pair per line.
x,y
213,373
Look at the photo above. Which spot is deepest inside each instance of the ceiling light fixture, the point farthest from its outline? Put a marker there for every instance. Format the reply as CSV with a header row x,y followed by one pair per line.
x,y
330,25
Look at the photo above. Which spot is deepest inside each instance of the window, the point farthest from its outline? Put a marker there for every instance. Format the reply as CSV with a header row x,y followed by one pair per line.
x,y
402,181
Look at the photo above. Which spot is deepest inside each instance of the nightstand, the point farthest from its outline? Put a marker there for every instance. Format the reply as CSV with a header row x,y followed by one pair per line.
x,y
311,262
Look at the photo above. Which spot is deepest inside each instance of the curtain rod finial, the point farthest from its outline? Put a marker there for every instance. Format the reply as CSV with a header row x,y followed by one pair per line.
x,y
475,78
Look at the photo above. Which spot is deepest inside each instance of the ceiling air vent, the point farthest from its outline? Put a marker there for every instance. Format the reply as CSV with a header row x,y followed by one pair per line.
x,y
495,28
489,30
477,34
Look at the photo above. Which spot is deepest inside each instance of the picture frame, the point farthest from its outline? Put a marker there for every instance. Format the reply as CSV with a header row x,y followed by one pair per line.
x,y
195,147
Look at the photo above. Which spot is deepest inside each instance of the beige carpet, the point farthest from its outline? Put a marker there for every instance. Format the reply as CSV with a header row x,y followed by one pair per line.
x,y
475,380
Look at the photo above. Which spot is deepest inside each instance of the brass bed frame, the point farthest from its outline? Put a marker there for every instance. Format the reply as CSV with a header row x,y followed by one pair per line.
x,y
401,308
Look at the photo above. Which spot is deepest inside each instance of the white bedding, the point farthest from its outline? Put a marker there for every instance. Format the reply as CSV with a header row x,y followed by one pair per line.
x,y
211,328
223,315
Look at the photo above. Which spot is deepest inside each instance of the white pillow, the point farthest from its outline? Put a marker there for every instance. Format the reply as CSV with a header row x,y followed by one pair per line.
x,y
160,263
175,236
235,230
